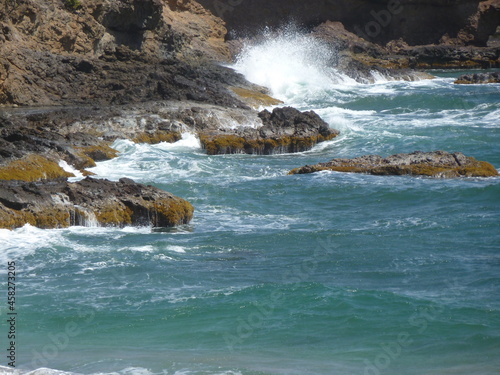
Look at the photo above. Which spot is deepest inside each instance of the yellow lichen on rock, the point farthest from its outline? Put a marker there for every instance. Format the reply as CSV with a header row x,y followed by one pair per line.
x,y
117,215
222,144
32,168
10,219
233,144
54,217
98,152
444,165
255,98
173,212
157,137
479,169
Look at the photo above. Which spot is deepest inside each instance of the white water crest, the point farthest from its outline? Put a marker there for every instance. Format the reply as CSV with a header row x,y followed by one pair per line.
x,y
70,169
291,64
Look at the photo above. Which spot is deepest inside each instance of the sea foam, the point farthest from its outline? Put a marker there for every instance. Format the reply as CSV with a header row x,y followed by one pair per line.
x,y
291,64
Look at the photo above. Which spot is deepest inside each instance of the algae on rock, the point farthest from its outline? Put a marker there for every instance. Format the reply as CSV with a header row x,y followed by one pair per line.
x,y
438,164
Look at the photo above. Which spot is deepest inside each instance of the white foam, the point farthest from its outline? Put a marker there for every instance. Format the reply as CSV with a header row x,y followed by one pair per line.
x,y
21,242
146,162
188,141
25,241
70,169
141,249
291,64
176,249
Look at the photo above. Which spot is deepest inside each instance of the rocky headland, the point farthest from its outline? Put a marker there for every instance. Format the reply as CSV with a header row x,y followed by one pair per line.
x,y
439,164
77,75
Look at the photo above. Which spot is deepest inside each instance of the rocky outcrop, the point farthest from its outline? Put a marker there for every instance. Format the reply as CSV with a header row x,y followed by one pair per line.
x,y
112,52
284,130
359,58
90,202
418,22
33,146
397,60
433,164
478,78
446,56
34,142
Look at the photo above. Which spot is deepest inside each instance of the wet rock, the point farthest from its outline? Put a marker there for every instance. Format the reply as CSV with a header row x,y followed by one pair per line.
x,y
59,204
433,164
478,78
81,136
33,146
284,130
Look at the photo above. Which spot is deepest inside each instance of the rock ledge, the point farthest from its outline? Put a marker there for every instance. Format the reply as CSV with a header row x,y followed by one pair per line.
x,y
90,202
284,130
439,164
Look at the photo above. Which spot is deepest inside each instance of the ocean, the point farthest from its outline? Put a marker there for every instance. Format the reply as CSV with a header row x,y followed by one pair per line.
x,y
322,274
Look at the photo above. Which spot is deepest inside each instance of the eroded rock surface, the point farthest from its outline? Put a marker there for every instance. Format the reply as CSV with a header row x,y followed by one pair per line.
x,y
284,130
112,52
58,204
478,78
433,164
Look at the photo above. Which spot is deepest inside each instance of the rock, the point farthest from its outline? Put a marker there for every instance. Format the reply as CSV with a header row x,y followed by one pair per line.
x,y
112,52
33,142
478,78
255,98
494,39
32,167
418,22
359,59
60,204
32,147
433,164
450,56
285,130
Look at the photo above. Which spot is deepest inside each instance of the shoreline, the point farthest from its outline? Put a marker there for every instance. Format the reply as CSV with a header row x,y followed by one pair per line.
x,y
148,74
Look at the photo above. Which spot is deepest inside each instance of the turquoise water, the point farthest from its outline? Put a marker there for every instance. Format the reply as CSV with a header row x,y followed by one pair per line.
x,y
329,273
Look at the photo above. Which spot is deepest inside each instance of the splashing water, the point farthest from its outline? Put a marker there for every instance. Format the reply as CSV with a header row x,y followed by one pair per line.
x,y
291,64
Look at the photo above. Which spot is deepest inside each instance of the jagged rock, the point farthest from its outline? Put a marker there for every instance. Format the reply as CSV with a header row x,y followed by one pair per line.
x,y
32,147
112,52
450,56
359,58
478,78
418,22
33,142
285,130
59,204
434,164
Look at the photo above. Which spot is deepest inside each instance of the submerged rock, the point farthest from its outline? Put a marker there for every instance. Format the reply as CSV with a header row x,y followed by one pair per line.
x,y
433,164
285,130
478,78
59,204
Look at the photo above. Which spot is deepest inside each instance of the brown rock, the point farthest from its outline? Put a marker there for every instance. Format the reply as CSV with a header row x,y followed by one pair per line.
x,y
439,164
111,52
418,22
59,204
284,130
478,78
